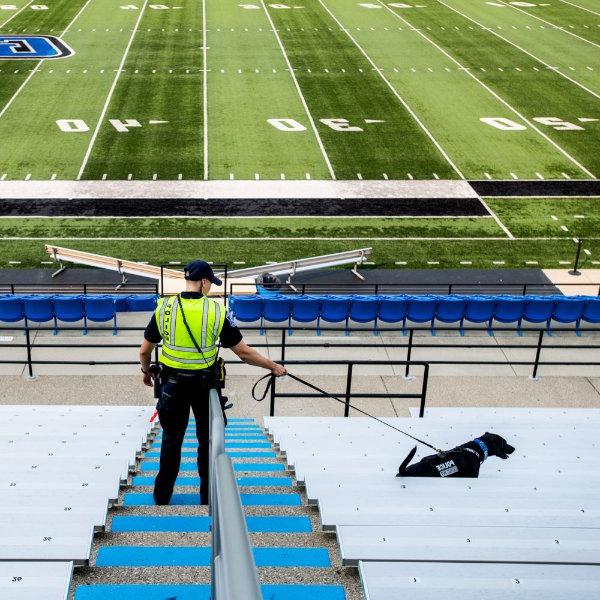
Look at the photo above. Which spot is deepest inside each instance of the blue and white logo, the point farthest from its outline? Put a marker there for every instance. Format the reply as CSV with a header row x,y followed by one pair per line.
x,y
36,47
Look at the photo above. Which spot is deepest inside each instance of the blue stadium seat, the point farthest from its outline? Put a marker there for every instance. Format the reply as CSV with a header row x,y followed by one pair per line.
x,y
392,309
539,309
101,309
422,309
39,309
276,309
305,309
247,309
591,312
11,309
509,309
451,309
334,309
364,309
141,302
70,309
569,310
480,309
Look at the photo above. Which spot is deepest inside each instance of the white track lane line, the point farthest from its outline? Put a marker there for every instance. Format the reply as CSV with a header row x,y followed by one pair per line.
x,y
34,70
302,99
395,92
15,14
493,93
549,23
205,89
111,92
580,7
551,68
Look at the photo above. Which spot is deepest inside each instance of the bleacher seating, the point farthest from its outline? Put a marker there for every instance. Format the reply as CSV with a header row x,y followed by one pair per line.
x,y
42,308
35,580
421,309
62,466
538,510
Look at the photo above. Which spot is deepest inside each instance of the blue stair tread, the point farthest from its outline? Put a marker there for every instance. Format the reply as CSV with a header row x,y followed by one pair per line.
x,y
255,524
136,499
227,445
234,454
202,592
200,556
241,436
253,481
192,466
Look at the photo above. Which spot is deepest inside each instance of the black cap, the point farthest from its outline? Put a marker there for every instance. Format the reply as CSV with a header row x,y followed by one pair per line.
x,y
200,269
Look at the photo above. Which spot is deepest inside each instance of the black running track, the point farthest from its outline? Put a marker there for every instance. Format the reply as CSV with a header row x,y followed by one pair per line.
x,y
289,207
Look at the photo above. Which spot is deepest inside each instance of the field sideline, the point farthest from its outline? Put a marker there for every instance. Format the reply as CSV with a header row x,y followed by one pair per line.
x,y
315,89
542,230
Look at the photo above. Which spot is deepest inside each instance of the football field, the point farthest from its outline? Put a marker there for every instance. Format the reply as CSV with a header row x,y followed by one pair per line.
x,y
306,89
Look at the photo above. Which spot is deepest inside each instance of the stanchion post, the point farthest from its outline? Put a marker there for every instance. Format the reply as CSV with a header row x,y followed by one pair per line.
x,y
348,389
538,350
576,270
407,374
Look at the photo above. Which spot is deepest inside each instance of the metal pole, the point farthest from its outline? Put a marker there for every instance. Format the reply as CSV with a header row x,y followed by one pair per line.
x,y
348,389
28,342
272,411
576,270
538,350
408,356
283,338
424,390
524,289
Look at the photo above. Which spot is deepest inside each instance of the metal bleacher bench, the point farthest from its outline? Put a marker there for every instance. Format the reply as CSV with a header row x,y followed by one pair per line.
x,y
35,580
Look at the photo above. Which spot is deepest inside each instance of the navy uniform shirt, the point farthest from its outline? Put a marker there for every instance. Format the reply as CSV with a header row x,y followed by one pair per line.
x,y
230,335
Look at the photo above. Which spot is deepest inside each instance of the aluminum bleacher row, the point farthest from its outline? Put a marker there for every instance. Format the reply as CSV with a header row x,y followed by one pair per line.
x,y
62,467
526,528
41,308
401,309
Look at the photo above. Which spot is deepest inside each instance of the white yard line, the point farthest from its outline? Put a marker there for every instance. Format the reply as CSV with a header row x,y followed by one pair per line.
x,y
395,92
549,23
490,30
15,14
580,7
497,219
205,89
192,217
292,239
493,93
302,99
37,66
111,92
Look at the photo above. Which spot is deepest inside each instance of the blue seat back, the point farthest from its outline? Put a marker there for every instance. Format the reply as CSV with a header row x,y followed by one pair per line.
x,y
480,309
246,308
392,309
568,310
38,308
99,308
509,309
539,309
306,309
363,310
450,309
276,309
141,302
69,308
421,309
11,309
334,309
591,312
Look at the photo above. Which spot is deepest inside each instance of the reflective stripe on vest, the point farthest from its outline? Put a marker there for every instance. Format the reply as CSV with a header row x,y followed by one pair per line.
x,y
205,318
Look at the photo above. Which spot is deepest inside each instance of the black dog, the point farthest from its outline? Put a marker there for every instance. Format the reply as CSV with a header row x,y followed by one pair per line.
x,y
462,461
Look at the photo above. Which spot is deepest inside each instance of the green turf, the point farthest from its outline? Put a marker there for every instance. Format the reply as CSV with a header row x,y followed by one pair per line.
x,y
417,97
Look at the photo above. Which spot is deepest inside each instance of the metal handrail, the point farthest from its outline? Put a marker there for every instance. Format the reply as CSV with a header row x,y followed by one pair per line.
x,y
233,573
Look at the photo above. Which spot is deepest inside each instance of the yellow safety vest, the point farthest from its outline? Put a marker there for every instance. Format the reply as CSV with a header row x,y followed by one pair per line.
x,y
205,318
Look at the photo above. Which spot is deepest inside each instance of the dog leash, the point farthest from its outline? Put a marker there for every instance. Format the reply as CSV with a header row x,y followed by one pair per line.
x,y
272,378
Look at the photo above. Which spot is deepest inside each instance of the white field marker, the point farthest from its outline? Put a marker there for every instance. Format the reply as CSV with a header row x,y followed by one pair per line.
x,y
395,91
300,94
588,252
554,217
111,92
580,7
564,228
15,14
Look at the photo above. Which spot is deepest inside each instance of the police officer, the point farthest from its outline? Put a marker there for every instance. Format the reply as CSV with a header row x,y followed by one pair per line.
x,y
192,327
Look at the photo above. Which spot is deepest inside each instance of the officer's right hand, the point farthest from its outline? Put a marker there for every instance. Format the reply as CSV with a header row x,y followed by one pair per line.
x,y
279,370
147,379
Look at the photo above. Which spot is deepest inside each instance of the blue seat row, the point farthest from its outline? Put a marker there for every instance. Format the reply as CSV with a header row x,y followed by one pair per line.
x,y
42,308
418,309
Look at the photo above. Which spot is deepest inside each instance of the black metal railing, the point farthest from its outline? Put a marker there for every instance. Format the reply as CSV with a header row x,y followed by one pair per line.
x,y
125,289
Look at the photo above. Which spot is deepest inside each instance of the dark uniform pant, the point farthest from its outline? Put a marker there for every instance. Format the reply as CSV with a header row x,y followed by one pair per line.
x,y
180,393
